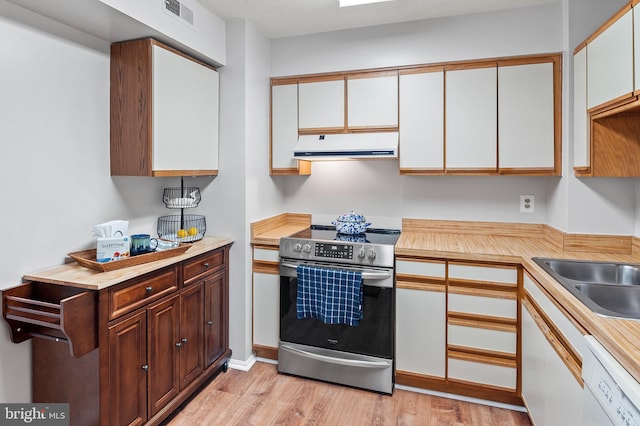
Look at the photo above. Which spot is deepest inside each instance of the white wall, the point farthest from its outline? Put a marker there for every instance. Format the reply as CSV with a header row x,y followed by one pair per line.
x,y
375,188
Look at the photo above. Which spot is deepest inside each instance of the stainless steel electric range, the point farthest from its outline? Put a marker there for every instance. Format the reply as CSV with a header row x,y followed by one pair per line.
x,y
358,354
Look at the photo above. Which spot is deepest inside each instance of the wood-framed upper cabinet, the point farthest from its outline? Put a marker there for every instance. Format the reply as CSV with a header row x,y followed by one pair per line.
x,y
529,141
164,112
610,61
284,129
372,101
581,138
471,110
321,104
421,99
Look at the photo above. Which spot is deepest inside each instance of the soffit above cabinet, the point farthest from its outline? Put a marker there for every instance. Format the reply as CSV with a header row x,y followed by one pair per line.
x,y
196,31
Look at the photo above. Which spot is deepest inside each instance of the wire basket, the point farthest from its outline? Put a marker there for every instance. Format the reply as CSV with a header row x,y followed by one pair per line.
x,y
182,228
181,198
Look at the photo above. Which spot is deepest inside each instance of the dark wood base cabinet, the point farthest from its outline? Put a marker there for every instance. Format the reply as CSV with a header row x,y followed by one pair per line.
x,y
158,336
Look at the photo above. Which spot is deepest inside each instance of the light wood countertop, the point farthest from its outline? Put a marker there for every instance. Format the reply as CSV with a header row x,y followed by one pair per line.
x,y
74,275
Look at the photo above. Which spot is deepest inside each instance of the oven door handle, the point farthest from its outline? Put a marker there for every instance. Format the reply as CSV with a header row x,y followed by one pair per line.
x,y
366,274
348,362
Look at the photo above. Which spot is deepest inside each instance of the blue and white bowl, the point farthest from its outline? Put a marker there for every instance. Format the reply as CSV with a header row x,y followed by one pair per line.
x,y
351,224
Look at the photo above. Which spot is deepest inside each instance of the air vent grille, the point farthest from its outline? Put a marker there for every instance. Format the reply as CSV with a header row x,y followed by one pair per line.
x,y
172,6
177,9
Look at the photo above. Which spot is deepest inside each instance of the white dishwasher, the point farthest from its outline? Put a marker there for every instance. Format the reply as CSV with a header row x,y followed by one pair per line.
x,y
611,394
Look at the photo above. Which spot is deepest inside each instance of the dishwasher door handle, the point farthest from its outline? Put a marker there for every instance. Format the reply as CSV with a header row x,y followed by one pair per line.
x,y
348,362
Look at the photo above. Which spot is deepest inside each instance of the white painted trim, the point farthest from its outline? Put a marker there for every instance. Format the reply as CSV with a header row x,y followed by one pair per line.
x,y
462,398
246,365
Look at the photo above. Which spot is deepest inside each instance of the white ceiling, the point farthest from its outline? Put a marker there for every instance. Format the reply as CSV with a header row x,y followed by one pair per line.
x,y
282,18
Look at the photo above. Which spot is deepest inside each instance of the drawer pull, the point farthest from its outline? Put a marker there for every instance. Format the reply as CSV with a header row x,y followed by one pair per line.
x,y
145,367
205,264
209,322
149,289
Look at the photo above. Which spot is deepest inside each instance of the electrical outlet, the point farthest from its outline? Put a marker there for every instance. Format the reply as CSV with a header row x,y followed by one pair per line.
x,y
527,204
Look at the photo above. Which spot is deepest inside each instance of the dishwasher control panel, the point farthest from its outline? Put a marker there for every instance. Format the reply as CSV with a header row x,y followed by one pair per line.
x,y
616,391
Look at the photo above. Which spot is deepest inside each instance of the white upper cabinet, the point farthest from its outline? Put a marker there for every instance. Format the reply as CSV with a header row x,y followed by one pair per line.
x,y
284,125
610,62
185,113
422,121
321,104
581,146
636,47
372,100
526,130
471,119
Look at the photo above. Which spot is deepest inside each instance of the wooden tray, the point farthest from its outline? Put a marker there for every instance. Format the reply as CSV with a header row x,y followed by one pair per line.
x,y
87,258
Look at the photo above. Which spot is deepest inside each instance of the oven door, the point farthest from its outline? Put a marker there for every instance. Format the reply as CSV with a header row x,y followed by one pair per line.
x,y
372,337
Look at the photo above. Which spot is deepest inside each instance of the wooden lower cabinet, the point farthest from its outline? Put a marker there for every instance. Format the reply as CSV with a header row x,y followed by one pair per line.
x,y
158,338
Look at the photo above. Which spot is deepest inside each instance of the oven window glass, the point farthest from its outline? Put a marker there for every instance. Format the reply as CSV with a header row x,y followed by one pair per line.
x,y
374,335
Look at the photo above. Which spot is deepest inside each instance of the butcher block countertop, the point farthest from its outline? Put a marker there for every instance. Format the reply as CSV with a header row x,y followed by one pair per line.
x,y
74,275
513,244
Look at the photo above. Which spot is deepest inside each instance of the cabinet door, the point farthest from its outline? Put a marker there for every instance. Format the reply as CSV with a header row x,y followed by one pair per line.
x,y
551,393
610,62
284,125
215,333
191,334
185,114
164,371
471,120
372,100
421,331
422,121
581,138
266,309
128,371
526,119
321,105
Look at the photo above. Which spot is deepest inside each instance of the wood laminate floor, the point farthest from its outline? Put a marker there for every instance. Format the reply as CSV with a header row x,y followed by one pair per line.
x,y
264,397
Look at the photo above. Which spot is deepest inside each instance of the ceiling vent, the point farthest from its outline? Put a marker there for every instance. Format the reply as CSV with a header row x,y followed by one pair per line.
x,y
175,8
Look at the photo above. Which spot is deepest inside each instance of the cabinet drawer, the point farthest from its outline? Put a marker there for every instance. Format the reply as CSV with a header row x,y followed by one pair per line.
x,y
572,334
132,296
422,268
486,373
482,338
42,310
480,305
266,255
508,275
206,264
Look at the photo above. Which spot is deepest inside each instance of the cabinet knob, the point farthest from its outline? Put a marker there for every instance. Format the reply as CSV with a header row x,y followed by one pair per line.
x,y
145,367
149,289
184,340
205,264
209,322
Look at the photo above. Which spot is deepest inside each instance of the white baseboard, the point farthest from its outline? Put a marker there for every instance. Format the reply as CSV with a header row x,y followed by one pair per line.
x,y
246,365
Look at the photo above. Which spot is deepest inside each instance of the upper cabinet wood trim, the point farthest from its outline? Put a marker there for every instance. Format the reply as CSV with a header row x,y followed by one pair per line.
x,y
619,14
372,74
422,70
283,81
318,78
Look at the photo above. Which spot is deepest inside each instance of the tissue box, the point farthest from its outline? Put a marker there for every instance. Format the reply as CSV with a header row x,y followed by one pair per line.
x,y
112,248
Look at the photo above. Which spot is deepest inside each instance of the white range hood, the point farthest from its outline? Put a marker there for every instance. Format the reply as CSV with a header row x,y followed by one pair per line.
x,y
347,146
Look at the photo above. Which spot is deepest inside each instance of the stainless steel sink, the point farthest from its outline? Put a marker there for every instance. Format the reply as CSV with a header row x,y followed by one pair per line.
x,y
608,289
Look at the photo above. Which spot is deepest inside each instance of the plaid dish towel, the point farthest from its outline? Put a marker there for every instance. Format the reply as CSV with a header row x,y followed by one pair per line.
x,y
333,296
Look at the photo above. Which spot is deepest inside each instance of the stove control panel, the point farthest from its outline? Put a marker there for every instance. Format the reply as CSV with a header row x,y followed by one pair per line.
x,y
334,251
